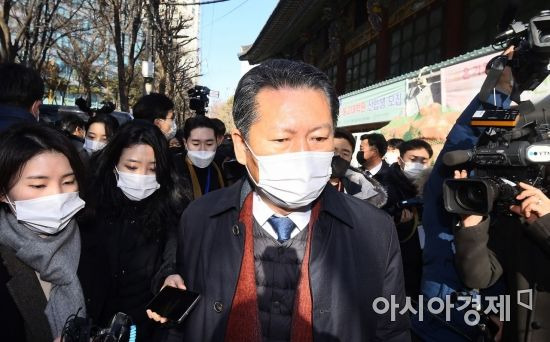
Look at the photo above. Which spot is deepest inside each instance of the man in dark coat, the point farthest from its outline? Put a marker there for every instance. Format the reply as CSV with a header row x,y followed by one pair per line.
x,y
351,180
281,256
21,92
405,206
373,149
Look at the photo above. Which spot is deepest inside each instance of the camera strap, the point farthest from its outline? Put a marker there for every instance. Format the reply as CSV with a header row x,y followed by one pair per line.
x,y
493,75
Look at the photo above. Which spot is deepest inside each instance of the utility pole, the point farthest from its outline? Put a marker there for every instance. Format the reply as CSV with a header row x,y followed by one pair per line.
x,y
148,67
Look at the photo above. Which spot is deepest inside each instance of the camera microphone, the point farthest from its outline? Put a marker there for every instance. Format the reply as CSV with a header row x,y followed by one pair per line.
x,y
457,157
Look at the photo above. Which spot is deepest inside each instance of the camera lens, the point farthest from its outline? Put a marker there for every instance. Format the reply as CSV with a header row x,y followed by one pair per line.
x,y
471,196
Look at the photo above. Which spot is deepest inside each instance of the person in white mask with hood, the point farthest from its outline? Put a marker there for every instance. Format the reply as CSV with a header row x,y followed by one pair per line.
x,y
282,255
41,175
196,168
128,227
405,180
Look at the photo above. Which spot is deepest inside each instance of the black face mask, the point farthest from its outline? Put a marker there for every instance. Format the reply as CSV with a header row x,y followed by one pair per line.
x,y
361,158
339,167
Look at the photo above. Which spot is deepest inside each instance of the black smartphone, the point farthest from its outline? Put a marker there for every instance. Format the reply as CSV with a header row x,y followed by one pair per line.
x,y
173,303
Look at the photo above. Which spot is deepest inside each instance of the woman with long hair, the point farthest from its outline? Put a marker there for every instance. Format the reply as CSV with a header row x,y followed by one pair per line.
x,y
41,175
99,131
128,230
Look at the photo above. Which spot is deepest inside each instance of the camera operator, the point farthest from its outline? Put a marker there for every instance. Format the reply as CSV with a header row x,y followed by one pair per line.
x,y
439,275
519,249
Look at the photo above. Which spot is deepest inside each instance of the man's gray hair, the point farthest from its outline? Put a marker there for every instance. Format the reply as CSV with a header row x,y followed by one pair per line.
x,y
277,74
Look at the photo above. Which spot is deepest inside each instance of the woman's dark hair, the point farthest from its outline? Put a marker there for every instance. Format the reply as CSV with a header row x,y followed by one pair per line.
x,y
20,143
69,123
106,199
197,122
110,123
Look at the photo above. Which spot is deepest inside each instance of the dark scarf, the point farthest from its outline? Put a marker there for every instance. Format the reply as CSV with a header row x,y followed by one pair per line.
x,y
197,192
55,258
244,321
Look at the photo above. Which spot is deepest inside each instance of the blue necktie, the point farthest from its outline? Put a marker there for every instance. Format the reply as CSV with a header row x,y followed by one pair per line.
x,y
283,226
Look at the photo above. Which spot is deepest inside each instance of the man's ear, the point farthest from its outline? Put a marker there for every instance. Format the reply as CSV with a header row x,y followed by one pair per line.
x,y
35,109
239,146
401,162
156,122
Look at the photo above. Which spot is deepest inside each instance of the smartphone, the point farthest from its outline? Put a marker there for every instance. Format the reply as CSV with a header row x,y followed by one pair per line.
x,y
173,303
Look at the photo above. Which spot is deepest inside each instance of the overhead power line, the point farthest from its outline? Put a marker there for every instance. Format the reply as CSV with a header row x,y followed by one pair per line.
x,y
197,3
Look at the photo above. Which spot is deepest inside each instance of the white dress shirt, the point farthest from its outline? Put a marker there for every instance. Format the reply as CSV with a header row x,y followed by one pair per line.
x,y
262,212
375,169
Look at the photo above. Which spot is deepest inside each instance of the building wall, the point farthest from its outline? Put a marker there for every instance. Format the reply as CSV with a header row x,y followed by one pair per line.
x,y
410,34
193,13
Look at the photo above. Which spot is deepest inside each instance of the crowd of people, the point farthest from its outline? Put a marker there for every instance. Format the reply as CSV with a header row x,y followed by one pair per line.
x,y
270,223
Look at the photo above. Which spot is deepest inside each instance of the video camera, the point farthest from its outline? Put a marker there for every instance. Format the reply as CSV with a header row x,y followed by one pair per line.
x,y
532,52
198,99
500,161
515,147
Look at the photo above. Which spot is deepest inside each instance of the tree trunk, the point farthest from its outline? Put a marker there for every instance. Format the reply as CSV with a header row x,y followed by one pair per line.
x,y
119,47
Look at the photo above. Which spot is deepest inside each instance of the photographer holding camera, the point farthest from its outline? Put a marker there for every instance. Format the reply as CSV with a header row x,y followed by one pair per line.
x,y
518,249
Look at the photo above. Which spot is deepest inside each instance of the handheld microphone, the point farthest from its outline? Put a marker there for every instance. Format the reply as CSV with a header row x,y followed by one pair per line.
x,y
457,157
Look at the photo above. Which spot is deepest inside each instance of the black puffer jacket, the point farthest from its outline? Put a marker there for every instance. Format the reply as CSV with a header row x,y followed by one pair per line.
x,y
123,265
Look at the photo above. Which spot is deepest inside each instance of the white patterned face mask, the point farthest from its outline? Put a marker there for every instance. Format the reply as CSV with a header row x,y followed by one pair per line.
x,y
201,158
293,180
413,169
48,214
136,187
93,145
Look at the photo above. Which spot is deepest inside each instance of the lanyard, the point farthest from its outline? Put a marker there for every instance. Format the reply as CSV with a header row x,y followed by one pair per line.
x,y
207,187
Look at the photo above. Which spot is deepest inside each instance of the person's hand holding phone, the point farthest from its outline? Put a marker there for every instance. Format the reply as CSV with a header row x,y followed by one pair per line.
x,y
174,280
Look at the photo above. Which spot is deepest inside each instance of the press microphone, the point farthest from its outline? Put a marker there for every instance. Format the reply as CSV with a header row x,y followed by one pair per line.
x,y
457,157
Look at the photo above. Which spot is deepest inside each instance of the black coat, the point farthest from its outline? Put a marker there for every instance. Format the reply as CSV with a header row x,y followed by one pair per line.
x,y
122,266
354,259
10,116
519,253
400,188
382,174
22,302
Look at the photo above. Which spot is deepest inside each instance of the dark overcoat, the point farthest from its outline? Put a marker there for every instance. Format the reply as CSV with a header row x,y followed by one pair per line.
x,y
354,259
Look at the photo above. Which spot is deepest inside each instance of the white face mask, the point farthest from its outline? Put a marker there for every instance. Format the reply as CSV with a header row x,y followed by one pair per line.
x,y
48,214
201,158
293,180
391,157
93,145
136,187
172,132
413,169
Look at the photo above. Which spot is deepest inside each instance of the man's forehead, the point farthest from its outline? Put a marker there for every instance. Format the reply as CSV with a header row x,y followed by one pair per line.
x,y
342,143
418,153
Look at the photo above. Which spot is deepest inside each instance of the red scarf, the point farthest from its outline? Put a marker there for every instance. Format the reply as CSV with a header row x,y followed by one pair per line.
x,y
244,320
